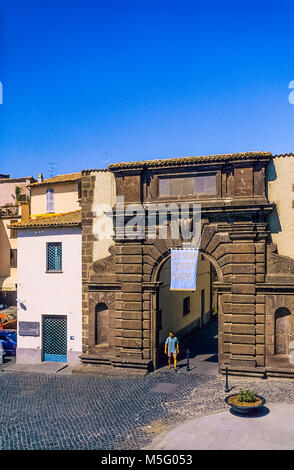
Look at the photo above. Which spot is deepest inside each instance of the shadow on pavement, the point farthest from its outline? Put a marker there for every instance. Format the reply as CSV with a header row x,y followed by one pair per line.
x,y
259,413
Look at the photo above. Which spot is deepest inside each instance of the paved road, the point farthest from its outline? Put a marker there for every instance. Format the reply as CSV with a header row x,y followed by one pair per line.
x,y
62,411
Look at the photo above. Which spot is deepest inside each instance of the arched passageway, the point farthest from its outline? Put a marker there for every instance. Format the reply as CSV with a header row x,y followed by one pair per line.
x,y
188,312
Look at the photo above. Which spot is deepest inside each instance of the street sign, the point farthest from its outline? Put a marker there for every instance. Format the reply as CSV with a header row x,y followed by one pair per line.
x,y
29,328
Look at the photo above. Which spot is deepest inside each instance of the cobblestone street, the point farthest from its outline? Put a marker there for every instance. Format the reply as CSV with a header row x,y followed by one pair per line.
x,y
60,411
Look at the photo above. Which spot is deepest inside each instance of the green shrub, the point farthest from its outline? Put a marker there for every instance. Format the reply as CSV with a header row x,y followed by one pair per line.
x,y
247,395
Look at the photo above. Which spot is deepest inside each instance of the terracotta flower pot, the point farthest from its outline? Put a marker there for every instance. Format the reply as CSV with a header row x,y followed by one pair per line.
x,y
245,409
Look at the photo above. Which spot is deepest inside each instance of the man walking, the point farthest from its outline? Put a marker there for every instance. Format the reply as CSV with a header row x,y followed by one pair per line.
x,y
172,348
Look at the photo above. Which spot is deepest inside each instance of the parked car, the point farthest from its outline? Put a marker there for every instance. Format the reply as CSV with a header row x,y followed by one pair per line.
x,y
8,321
8,340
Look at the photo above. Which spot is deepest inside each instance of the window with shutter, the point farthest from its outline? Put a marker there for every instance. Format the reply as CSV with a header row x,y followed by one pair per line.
x,y
50,200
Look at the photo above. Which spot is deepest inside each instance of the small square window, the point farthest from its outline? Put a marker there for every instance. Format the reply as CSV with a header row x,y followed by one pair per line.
x,y
186,305
54,256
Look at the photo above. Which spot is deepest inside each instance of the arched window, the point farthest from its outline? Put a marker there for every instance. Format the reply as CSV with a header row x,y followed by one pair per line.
x,y
101,324
282,331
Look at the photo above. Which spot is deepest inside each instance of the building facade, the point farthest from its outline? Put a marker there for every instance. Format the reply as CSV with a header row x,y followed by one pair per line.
x,y
123,290
13,192
49,289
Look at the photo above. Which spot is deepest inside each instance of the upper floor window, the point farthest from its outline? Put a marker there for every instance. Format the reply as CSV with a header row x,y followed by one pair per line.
x,y
50,200
187,185
54,256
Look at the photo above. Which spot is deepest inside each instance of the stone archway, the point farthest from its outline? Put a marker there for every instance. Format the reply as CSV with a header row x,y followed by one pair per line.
x,y
160,324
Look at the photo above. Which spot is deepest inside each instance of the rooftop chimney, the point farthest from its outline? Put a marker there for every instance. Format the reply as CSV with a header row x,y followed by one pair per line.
x,y
40,178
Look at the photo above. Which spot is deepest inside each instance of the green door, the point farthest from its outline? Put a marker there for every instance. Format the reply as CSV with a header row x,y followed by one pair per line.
x,y
54,338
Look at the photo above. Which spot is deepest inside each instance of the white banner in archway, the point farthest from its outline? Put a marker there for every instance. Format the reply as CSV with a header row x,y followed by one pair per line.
x,y
183,269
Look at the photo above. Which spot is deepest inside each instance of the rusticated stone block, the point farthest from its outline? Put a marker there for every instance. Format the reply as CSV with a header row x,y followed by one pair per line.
x,y
146,333
260,277
260,299
132,278
248,349
206,235
152,251
146,324
260,349
239,318
243,269
131,342
213,244
260,339
260,268
146,305
243,298
149,260
131,296
242,308
147,269
118,341
129,268
260,318
130,315
146,354
226,308
221,251
131,287
239,339
260,308
243,278
128,259
160,245
260,329
260,361
226,259
260,258
132,334
120,305
260,248
243,258
227,269
242,248
129,250
146,343
243,329
146,315
226,297
243,289
131,325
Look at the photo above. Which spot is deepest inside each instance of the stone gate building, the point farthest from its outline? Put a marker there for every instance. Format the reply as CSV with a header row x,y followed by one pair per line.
x,y
255,284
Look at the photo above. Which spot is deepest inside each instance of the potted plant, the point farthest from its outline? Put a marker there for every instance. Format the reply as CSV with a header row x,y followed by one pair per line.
x,y
245,401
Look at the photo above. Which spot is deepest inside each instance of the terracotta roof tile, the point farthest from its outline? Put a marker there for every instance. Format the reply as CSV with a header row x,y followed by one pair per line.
x,y
53,220
188,160
60,179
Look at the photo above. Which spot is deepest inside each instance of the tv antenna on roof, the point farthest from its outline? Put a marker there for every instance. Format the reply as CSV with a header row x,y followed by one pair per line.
x,y
108,159
51,168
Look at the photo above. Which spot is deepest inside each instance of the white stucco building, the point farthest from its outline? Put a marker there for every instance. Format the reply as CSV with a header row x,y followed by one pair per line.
x,y
49,288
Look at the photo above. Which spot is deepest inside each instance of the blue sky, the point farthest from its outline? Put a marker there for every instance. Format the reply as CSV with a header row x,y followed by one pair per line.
x,y
88,82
